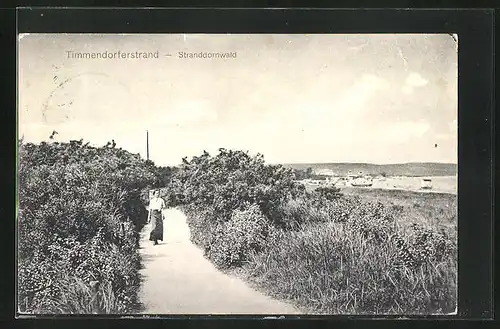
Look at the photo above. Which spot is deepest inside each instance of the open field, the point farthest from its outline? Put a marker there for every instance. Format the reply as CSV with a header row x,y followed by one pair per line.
x,y
434,209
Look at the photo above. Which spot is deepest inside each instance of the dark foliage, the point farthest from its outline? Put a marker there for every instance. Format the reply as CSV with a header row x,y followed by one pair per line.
x,y
80,210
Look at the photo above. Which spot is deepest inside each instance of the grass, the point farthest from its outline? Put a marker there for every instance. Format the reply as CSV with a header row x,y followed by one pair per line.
x,y
330,267
366,252
436,209
80,298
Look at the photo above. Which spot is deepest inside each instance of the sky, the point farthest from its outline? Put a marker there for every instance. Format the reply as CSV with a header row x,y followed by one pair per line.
x,y
382,98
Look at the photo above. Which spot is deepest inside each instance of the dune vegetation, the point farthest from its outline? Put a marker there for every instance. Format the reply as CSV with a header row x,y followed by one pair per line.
x,y
328,252
80,212
81,209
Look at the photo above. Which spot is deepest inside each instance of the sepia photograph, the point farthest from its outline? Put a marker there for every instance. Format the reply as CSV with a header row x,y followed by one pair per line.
x,y
237,174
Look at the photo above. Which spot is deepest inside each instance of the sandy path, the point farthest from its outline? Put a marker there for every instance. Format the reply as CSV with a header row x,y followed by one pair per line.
x,y
179,280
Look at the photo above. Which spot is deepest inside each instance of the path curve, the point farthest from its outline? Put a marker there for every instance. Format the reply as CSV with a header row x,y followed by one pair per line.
x,y
177,279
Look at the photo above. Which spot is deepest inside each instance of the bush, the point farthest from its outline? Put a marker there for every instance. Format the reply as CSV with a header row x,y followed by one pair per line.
x,y
226,197
328,252
315,208
233,179
80,210
233,241
203,224
327,193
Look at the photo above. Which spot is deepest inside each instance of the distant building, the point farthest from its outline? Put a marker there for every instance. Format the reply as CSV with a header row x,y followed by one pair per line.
x,y
426,184
362,181
324,172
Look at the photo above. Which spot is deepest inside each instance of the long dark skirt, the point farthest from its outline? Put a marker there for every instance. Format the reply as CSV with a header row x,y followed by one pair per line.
x,y
156,226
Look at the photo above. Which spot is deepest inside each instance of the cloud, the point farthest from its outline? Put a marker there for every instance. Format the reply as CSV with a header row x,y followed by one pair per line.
x,y
335,112
407,90
415,80
356,98
188,112
322,102
403,131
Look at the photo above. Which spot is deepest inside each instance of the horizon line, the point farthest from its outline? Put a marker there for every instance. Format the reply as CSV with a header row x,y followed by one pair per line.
x,y
248,151
369,163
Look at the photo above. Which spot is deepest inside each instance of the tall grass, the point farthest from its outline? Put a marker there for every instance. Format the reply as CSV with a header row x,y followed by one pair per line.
x,y
345,256
80,298
334,269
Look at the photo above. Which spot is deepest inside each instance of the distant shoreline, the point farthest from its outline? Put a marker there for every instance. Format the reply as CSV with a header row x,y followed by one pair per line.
x,y
367,163
410,169
441,184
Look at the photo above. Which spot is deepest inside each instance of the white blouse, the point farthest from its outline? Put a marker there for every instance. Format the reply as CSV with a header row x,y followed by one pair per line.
x,y
157,204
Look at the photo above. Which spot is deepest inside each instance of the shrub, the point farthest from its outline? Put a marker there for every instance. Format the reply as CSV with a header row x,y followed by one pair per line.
x,y
315,208
226,197
233,241
80,210
328,193
203,224
424,245
328,252
233,179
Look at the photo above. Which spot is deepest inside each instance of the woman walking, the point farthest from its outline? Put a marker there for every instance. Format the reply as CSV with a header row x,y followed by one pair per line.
x,y
155,216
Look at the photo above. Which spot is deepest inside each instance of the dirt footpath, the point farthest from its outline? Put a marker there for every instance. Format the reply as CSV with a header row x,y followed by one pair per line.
x,y
179,280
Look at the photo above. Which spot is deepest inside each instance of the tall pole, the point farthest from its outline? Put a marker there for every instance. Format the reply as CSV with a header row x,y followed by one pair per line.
x,y
147,144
